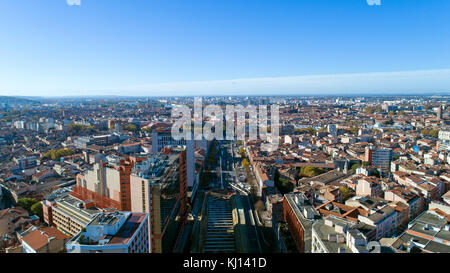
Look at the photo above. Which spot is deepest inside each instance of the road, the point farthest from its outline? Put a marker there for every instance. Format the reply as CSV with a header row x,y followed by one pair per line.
x,y
228,177
228,173
216,230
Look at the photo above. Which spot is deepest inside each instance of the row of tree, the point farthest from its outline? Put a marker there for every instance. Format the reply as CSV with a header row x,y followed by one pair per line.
x,y
57,154
131,127
76,128
430,132
309,130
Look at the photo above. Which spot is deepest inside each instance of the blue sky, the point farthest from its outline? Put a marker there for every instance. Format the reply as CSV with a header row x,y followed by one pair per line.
x,y
198,47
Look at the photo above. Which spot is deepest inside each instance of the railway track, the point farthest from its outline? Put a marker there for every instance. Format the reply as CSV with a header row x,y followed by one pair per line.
x,y
219,230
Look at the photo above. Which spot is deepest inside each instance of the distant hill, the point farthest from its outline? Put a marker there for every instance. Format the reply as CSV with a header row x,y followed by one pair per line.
x,y
16,100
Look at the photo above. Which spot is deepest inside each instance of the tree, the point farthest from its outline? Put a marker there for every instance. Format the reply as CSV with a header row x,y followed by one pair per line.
x,y
376,173
27,203
309,130
372,109
310,171
36,209
57,154
391,130
354,130
76,128
276,176
351,122
430,133
284,185
345,192
242,152
355,166
245,163
388,122
130,127
147,129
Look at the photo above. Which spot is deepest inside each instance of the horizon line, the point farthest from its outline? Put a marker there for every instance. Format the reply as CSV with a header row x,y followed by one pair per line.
x,y
396,82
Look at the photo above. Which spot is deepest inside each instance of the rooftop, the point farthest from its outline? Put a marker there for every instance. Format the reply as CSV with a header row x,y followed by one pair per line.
x,y
429,232
116,228
329,236
325,178
40,237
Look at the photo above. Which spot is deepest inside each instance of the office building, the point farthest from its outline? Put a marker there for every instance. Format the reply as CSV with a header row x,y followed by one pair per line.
x,y
332,129
380,158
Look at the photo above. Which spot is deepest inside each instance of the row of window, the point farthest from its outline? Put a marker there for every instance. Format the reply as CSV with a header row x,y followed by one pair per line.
x,y
143,196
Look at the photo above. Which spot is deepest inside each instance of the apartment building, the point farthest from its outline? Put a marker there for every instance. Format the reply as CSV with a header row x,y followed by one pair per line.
x,y
113,232
337,235
415,202
107,185
9,219
384,219
44,240
428,233
26,162
162,137
328,236
368,186
50,200
430,187
71,215
156,189
300,215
